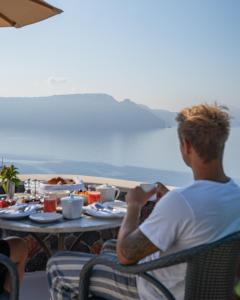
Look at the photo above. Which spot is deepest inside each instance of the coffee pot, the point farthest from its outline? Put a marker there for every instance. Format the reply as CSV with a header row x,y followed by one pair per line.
x,y
108,192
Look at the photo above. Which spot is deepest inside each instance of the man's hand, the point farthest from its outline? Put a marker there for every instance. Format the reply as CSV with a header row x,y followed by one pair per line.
x,y
138,197
161,190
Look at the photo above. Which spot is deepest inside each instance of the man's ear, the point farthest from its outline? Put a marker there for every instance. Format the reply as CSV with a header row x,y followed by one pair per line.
x,y
187,146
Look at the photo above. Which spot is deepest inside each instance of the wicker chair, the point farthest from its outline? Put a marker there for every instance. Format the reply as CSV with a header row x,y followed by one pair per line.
x,y
210,270
14,295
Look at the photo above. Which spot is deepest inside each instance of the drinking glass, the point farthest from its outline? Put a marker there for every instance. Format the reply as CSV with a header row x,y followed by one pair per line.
x,y
10,189
93,196
27,186
91,187
50,204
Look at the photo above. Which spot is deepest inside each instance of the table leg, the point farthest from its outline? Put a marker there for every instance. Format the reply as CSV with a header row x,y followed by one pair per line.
x,y
42,244
61,238
76,240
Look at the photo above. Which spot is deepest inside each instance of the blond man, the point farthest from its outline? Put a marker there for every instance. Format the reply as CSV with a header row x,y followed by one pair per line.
x,y
202,212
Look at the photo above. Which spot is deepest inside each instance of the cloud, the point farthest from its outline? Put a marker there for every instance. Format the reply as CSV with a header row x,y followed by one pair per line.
x,y
56,81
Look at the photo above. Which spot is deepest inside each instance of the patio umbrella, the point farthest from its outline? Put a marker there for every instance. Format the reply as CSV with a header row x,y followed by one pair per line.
x,y
18,13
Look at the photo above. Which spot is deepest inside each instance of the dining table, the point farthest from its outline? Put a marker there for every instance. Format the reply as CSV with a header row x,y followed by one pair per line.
x,y
60,228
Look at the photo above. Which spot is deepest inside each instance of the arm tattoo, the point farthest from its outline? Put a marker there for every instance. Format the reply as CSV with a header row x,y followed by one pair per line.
x,y
136,246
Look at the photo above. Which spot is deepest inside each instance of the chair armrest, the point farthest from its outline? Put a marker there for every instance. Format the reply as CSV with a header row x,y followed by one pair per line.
x,y
11,267
164,261
183,256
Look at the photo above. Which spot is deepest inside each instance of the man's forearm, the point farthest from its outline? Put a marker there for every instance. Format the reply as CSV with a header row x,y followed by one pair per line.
x,y
130,223
132,244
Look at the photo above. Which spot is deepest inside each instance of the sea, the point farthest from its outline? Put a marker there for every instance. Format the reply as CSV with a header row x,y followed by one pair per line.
x,y
145,156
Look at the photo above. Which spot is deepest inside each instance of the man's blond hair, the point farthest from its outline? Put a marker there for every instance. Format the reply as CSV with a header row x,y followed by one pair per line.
x,y
206,128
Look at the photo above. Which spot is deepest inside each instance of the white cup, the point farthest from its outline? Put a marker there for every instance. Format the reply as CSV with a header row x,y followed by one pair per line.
x,y
72,206
147,187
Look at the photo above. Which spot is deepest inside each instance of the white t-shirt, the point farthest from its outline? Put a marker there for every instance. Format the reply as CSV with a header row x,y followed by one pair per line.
x,y
200,213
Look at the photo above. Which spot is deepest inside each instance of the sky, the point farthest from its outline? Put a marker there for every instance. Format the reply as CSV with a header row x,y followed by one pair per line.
x,y
162,53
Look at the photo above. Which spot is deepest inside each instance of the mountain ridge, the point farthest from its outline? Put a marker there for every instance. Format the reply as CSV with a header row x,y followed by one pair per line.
x,y
75,112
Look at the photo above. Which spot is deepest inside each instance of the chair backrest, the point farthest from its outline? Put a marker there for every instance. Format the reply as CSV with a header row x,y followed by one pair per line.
x,y
12,269
210,275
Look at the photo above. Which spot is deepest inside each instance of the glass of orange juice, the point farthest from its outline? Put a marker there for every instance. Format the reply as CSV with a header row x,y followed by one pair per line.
x,y
93,196
50,204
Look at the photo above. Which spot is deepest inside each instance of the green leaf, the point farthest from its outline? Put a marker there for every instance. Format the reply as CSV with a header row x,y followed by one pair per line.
x,y
9,173
4,186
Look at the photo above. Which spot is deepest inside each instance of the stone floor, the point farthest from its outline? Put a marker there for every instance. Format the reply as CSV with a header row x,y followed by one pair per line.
x,y
34,286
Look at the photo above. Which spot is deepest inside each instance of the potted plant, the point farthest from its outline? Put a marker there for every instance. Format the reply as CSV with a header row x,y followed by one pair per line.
x,y
9,179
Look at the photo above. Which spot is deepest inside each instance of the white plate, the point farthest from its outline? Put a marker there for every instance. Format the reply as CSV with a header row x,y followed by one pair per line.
x,y
115,204
14,214
45,217
44,187
105,212
14,207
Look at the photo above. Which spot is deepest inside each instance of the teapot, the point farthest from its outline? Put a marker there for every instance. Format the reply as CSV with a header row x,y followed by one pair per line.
x,y
108,192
